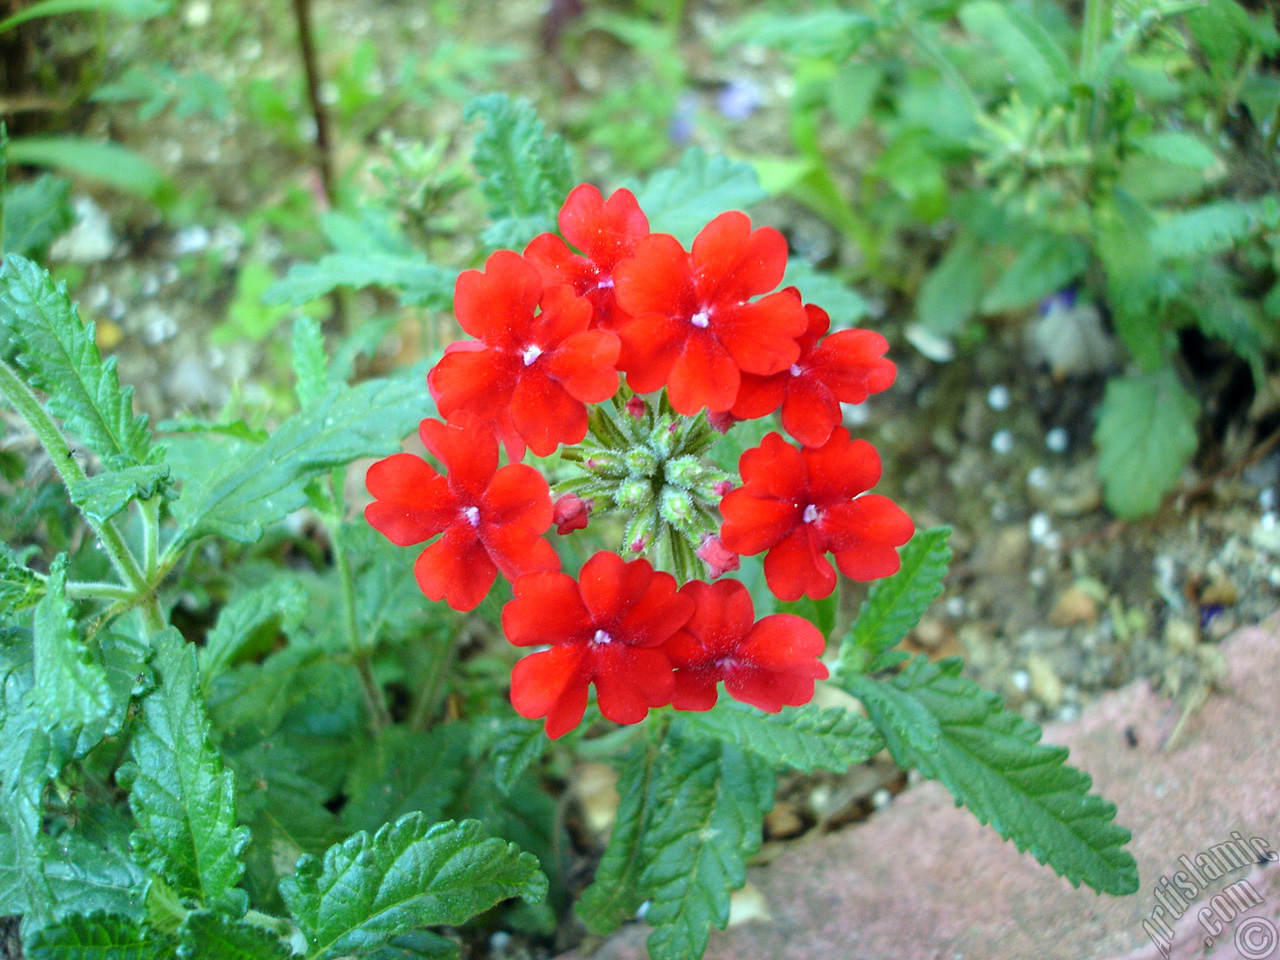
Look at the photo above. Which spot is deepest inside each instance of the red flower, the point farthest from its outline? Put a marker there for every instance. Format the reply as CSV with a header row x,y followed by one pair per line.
x,y
693,328
528,374
489,519
571,513
606,628
801,504
842,368
769,664
718,558
606,231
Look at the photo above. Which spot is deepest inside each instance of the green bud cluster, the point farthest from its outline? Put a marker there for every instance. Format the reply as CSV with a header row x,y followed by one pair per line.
x,y
644,463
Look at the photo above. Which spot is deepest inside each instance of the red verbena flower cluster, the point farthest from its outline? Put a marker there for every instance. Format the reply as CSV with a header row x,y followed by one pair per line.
x,y
553,331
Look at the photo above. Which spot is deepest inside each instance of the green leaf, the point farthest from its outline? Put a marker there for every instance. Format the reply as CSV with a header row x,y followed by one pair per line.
x,y
1146,433
896,604
101,936
267,483
511,745
35,215
182,798
410,772
1036,62
683,199
616,893
525,172
710,801
1045,263
409,874
215,936
20,588
387,593
845,305
852,91
140,9
278,601
310,365
952,292
416,282
107,162
100,498
71,689
60,354
1206,230
830,34
993,763
1175,146
805,738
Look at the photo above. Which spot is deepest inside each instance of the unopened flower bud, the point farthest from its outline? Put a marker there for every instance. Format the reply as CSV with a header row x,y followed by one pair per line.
x,y
634,494
718,558
723,487
721,420
636,407
641,462
676,507
571,513
683,471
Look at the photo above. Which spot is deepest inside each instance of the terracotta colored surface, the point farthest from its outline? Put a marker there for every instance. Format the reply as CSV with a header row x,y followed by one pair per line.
x,y
922,879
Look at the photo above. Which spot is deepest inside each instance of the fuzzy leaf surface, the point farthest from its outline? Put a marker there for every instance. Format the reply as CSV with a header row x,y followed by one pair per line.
x,y
277,600
36,214
710,800
62,359
182,798
205,935
103,496
1146,433
805,738
71,689
512,745
416,282
683,199
411,873
310,363
101,936
20,588
1205,230
993,763
894,605
266,483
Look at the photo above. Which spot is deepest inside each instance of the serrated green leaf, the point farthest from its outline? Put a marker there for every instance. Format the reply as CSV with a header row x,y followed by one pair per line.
x,y
616,893
181,796
683,199
101,497
62,359
214,936
1206,230
511,745
894,605
101,936
52,8
845,305
710,801
525,172
85,876
993,763
410,873
71,689
1035,60
1146,433
35,215
890,709
805,738
264,485
410,772
1178,147
416,282
310,364
20,588
1044,264
277,601
257,695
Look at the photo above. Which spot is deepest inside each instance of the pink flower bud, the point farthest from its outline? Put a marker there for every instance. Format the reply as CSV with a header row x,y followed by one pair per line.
x,y
636,407
723,487
637,545
571,513
718,558
721,420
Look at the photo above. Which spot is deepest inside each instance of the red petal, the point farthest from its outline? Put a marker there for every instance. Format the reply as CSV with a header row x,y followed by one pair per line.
x,y
605,230
759,396
695,689
657,278
650,345
629,682
796,567
477,381
545,414
468,451
775,468
761,336
732,262
563,314
558,264
656,614
703,376
785,642
551,684
864,535
722,615
754,524
413,502
546,608
585,364
518,550
610,585
841,468
518,495
767,690
852,364
456,569
497,306
809,411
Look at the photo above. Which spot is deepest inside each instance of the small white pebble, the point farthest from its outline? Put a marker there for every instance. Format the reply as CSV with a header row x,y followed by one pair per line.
x,y
1069,713
1002,441
1268,520
1038,576
1000,511
1038,477
881,798
998,397
1057,439
499,941
1267,499
955,607
1052,540
643,909
1040,526
1021,679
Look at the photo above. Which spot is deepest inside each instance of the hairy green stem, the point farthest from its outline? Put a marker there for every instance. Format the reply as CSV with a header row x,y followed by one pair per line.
x,y
150,513
22,399
98,590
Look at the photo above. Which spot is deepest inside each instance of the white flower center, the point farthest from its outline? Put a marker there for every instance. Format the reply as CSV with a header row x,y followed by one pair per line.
x,y
810,513
531,353
701,319
602,637
472,514
795,370
606,283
